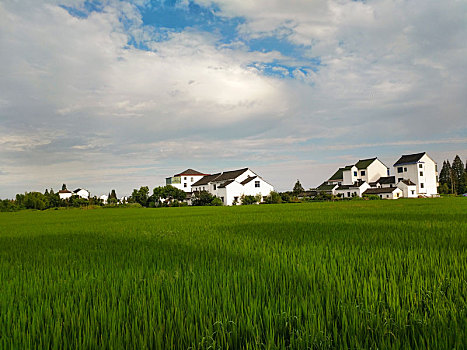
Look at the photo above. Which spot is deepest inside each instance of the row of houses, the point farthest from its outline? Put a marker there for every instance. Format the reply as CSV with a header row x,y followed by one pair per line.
x,y
229,186
415,175
85,194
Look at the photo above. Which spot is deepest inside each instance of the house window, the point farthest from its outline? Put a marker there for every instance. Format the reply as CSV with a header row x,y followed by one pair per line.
x,y
420,166
184,178
421,173
222,199
398,195
413,192
348,194
387,196
388,171
184,185
362,172
405,169
215,187
400,179
422,185
257,184
354,173
191,179
400,169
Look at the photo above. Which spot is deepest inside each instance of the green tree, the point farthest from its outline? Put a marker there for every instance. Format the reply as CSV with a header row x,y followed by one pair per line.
x,y
63,187
113,195
274,198
297,189
202,198
248,200
445,176
458,175
141,196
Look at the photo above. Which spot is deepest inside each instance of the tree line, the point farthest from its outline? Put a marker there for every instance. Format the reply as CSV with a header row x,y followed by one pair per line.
x,y
453,178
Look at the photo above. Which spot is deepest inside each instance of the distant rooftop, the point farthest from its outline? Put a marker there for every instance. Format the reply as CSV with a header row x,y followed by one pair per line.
x,y
409,158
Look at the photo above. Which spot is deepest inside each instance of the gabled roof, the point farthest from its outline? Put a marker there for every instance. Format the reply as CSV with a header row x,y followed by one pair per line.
x,y
364,163
338,175
248,179
225,184
409,158
408,182
206,179
386,180
190,172
348,167
230,175
356,184
64,191
325,187
380,190
77,190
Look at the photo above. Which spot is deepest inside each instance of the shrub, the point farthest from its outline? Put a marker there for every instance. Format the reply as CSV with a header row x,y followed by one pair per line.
x,y
216,202
247,200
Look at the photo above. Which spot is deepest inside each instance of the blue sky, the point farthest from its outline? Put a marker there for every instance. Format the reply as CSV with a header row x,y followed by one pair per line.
x,y
120,94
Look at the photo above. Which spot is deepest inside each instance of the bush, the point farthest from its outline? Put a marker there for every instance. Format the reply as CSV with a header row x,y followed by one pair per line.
x,y
216,202
273,198
247,200
371,197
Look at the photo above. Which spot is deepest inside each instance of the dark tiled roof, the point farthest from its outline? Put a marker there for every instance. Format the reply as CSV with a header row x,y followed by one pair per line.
x,y
348,167
190,172
231,175
206,179
325,187
77,190
64,191
338,175
380,190
364,163
408,182
409,158
356,184
386,180
225,184
248,179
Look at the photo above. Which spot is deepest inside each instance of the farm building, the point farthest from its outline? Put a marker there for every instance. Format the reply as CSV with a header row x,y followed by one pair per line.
x,y
230,186
64,194
415,175
184,180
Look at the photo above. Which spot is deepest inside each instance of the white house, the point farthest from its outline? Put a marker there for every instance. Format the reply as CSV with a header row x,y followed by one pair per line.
x,y
230,186
185,179
384,181
64,194
385,192
104,198
368,170
349,191
409,189
420,169
81,193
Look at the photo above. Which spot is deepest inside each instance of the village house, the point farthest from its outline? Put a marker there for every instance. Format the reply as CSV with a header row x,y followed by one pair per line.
x,y
64,194
415,175
420,169
184,180
230,186
81,193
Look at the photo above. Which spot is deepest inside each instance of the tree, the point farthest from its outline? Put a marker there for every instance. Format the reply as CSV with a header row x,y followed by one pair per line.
x,y
247,200
297,189
216,202
141,196
457,171
113,195
63,187
202,198
273,198
445,176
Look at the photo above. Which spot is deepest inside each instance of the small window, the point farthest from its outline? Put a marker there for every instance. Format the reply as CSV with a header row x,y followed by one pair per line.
x,y
348,194
362,172
400,179
184,178
184,185
422,185
420,166
400,169
222,199
421,173
191,179
215,187
398,195
257,184
405,169
354,173
388,172
413,192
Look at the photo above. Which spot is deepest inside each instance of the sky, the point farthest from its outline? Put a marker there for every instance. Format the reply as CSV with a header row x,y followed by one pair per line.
x,y
121,94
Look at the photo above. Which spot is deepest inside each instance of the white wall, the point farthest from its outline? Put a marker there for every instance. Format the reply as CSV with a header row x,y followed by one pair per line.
x,y
349,177
375,170
413,172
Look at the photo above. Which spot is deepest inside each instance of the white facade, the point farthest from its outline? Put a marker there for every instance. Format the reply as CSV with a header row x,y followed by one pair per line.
x,y
408,188
81,193
368,170
185,179
104,198
386,192
421,170
64,194
230,186
350,175
349,191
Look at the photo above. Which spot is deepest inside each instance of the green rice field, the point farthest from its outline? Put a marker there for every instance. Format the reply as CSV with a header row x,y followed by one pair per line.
x,y
343,275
